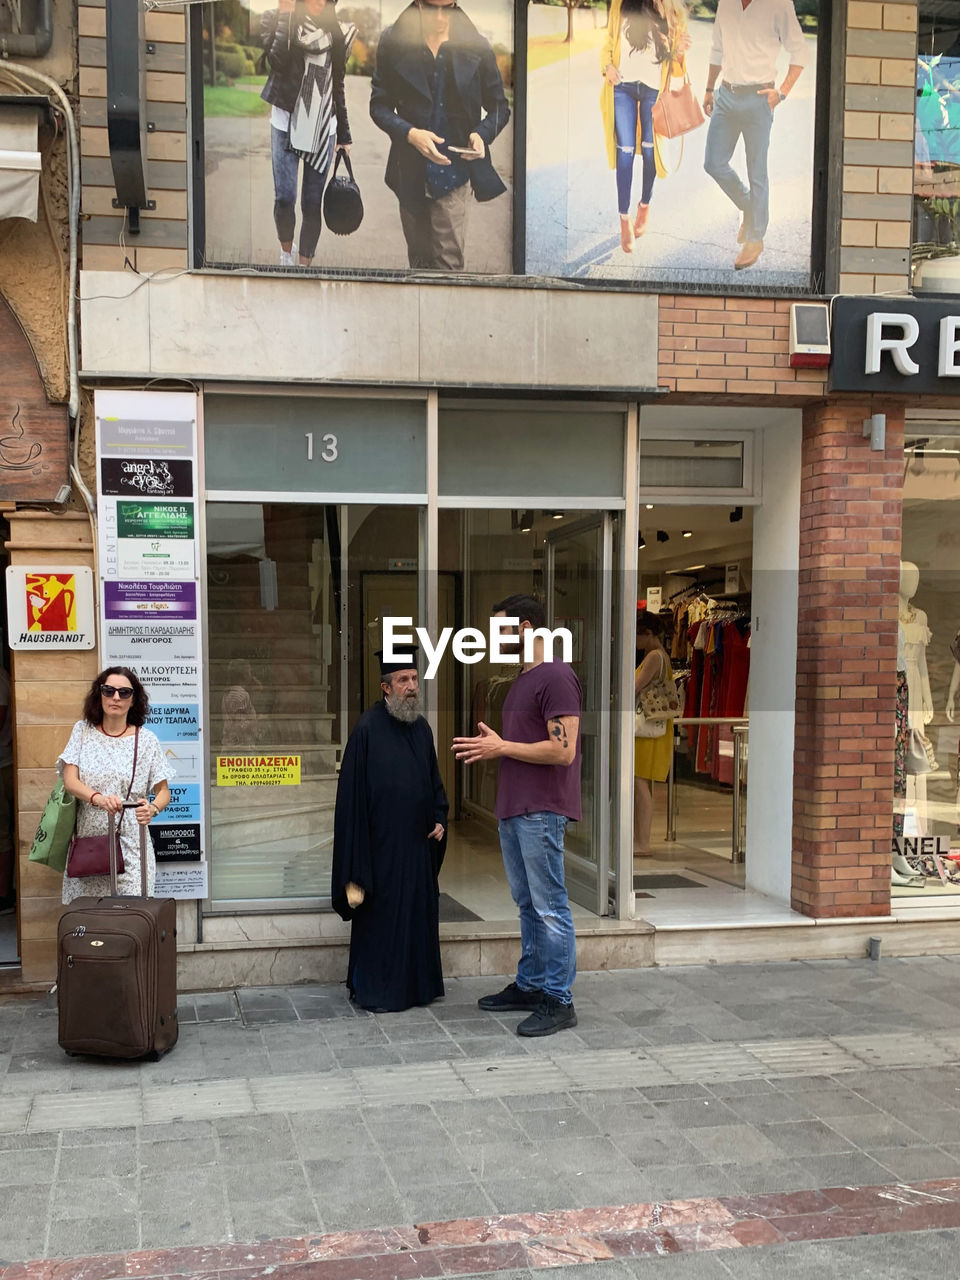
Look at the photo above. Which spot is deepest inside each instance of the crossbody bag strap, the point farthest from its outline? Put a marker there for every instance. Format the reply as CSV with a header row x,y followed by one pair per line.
x,y
133,774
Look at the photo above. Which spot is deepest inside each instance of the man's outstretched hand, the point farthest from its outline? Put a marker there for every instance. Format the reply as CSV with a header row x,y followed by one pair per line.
x,y
487,745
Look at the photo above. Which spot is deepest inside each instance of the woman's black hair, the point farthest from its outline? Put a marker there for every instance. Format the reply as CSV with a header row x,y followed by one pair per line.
x,y
139,703
647,621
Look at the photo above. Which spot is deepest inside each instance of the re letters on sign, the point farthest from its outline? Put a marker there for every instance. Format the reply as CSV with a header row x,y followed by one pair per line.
x,y
899,343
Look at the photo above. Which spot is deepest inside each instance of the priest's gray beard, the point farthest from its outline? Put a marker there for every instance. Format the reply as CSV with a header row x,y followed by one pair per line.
x,y
405,707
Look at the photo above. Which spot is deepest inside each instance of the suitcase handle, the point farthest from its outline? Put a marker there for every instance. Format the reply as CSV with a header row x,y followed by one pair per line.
x,y
111,840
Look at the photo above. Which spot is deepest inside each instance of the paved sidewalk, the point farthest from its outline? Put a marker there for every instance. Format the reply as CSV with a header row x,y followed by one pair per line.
x,y
285,1113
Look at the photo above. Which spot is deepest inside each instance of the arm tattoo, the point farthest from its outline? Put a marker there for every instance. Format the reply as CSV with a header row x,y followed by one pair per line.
x,y
558,730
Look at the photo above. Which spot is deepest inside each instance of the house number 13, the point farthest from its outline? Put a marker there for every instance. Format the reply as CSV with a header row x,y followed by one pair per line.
x,y
329,452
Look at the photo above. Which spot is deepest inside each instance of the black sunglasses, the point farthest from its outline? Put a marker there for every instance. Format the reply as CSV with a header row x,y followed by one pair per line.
x,y
111,691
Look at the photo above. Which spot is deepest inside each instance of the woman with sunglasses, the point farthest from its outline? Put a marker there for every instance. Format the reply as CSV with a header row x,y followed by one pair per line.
x,y
97,765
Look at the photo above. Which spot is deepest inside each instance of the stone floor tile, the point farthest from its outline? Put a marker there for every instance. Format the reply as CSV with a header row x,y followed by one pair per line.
x,y
411,1171
844,1170
430,1051
567,1123
201,1225
78,1237
686,1181
372,1055
362,1209
504,1159
694,1113
404,1135
660,1034
916,1164
773,1108
526,1195
269,1015
445,1203
674,1092
658,1146
806,1138
349,1175
323,1134
876,1130
27,1167
510,1046
118,1160
215,1006
727,1089
521,1102
178,1191
75,1198
184,1153
733,1144
681,1266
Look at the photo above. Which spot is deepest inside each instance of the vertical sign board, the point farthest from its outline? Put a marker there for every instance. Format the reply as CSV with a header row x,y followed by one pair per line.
x,y
150,591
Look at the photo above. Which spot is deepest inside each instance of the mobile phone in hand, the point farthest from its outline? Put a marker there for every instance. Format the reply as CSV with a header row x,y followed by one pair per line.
x,y
464,151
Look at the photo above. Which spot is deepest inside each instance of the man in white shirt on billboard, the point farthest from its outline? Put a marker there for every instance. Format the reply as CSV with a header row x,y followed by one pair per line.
x,y
747,38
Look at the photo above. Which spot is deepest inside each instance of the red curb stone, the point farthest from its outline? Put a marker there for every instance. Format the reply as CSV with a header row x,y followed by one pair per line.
x,y
95,1268
482,1258
788,1204
755,1231
353,1244
222,1257
633,1244
385,1266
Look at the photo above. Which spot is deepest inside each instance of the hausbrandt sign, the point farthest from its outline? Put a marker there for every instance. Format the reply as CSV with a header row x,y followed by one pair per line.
x,y
904,346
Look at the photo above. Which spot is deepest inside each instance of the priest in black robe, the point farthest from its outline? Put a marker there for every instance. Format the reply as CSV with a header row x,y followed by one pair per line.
x,y
389,838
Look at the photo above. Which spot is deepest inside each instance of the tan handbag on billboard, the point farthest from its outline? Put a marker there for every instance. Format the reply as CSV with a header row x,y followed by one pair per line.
x,y
677,111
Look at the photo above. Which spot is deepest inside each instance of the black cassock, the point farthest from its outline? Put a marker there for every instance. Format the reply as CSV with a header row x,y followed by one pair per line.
x,y
389,799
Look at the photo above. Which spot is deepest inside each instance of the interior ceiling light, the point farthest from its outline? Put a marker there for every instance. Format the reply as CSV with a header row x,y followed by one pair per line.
x,y
692,568
662,535
526,521
688,533
642,542
649,506
557,515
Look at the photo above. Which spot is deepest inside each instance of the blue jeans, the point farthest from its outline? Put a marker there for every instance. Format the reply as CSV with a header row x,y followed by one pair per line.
x,y
532,847
286,168
747,115
633,101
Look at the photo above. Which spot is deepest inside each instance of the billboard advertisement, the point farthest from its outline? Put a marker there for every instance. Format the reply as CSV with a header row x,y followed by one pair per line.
x,y
672,142
418,94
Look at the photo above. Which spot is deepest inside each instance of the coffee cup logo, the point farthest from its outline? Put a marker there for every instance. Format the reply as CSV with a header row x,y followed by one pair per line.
x,y
51,602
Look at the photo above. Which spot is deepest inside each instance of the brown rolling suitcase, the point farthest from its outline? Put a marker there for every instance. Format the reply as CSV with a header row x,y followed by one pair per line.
x,y
117,970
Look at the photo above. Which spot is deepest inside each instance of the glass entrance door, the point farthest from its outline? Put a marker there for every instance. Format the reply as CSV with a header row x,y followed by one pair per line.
x,y
579,562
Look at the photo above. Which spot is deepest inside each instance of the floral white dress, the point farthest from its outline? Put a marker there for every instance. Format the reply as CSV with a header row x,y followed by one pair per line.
x,y
104,763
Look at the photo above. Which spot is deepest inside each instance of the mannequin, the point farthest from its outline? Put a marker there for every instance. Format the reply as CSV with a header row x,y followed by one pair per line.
x,y
951,706
914,711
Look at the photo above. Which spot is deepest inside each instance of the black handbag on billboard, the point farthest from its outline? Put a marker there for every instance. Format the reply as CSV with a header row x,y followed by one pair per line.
x,y
342,205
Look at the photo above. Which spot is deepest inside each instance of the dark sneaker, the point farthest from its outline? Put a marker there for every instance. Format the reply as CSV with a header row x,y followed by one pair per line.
x,y
549,1017
511,999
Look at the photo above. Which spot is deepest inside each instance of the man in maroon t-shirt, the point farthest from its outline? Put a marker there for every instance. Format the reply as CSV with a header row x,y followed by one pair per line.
x,y
538,793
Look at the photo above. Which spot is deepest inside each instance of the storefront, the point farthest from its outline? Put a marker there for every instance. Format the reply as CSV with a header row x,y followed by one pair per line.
x,y
907,350
318,515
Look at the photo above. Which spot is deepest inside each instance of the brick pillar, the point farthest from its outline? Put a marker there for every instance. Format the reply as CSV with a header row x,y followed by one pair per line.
x,y
850,517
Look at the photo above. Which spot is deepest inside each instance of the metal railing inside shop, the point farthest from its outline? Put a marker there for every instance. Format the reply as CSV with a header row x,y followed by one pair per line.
x,y
740,728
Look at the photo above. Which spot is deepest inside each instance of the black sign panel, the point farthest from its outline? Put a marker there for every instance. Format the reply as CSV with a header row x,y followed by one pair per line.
x,y
177,842
147,477
921,328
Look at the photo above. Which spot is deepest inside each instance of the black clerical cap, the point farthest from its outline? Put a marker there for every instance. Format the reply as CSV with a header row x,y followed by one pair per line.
x,y
406,662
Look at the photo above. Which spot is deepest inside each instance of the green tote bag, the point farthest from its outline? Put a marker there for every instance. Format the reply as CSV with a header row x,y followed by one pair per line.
x,y
56,828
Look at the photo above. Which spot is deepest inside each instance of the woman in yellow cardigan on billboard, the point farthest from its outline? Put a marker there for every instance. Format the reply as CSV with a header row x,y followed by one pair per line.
x,y
645,45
